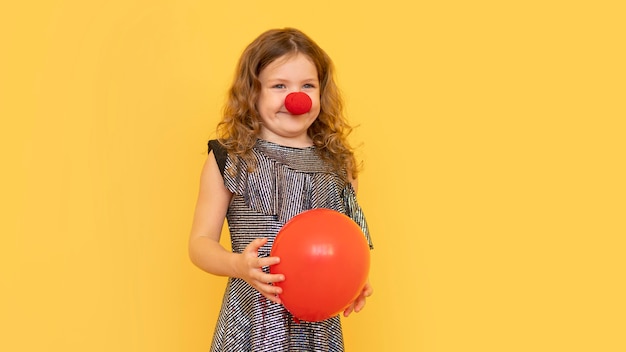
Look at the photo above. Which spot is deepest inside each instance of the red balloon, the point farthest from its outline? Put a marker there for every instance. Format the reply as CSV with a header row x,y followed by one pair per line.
x,y
298,103
325,259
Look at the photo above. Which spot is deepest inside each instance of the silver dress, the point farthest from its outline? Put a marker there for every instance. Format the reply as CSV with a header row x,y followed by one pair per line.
x,y
285,182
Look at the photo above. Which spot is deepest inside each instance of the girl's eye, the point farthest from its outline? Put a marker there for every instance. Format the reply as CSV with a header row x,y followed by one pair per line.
x,y
279,86
309,86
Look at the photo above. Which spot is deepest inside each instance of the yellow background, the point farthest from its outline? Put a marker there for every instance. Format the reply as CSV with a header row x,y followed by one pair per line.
x,y
492,134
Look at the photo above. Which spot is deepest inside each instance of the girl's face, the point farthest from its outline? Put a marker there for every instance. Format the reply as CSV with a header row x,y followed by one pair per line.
x,y
287,74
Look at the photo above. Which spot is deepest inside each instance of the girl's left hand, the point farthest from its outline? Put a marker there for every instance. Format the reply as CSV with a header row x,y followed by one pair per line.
x,y
359,303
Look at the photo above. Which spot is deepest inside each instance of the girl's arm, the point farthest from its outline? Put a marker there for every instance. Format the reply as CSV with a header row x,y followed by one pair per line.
x,y
209,255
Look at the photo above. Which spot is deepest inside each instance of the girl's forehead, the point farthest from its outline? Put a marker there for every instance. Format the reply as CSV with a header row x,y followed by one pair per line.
x,y
288,58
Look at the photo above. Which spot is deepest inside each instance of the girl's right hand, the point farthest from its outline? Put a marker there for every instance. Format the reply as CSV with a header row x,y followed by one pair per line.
x,y
250,269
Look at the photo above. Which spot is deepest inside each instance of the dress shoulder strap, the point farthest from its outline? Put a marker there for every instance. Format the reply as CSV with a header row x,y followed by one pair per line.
x,y
220,154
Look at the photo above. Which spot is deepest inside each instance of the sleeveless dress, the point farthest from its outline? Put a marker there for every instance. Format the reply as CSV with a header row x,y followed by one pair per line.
x,y
285,182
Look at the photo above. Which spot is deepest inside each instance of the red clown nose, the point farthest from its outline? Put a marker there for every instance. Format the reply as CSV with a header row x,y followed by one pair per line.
x,y
298,103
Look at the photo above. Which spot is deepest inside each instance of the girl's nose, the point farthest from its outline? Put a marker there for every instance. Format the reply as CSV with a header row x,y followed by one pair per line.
x,y
298,103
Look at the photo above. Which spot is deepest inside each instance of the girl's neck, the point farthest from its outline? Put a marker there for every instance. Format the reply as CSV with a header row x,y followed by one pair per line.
x,y
299,142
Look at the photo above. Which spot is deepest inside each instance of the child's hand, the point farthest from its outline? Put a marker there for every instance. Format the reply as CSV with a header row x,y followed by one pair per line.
x,y
249,268
359,303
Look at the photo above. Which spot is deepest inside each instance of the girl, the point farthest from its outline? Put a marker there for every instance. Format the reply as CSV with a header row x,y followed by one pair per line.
x,y
268,165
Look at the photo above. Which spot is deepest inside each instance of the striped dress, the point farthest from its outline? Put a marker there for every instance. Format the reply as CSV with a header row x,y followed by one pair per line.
x,y
285,182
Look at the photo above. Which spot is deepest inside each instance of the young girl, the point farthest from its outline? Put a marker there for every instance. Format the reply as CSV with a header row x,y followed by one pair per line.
x,y
268,165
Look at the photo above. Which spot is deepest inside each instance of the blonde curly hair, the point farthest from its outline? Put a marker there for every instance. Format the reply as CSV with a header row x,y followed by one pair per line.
x,y
240,125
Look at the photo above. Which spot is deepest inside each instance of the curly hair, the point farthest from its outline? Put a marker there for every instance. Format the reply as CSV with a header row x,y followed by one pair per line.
x,y
240,125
